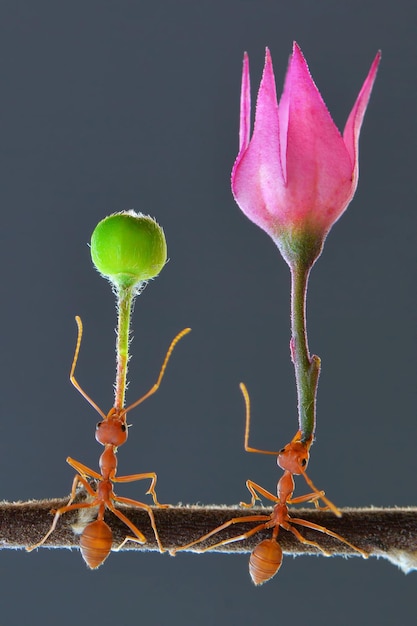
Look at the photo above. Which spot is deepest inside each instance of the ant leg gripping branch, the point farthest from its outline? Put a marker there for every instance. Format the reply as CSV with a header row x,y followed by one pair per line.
x,y
266,558
97,539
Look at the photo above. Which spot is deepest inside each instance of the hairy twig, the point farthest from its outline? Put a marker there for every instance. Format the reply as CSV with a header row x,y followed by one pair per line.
x,y
389,533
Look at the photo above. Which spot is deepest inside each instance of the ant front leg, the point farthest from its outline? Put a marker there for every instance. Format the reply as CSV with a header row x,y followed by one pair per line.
x,y
249,448
253,488
156,386
79,478
309,497
83,470
151,491
74,363
329,504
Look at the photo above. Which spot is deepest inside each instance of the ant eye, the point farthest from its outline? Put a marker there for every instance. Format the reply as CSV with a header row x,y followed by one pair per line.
x,y
304,462
281,451
123,428
98,425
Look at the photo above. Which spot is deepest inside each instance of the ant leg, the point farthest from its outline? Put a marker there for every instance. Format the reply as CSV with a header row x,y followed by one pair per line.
x,y
235,520
58,513
247,423
253,488
155,387
139,538
129,538
68,507
329,505
151,491
241,537
74,363
83,470
80,479
136,531
301,539
309,497
326,531
321,508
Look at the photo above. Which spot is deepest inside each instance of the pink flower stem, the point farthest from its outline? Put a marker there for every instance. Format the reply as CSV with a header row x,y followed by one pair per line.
x,y
307,368
125,298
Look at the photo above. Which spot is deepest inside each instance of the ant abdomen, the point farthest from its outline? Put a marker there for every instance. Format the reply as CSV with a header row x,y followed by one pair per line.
x,y
95,543
265,561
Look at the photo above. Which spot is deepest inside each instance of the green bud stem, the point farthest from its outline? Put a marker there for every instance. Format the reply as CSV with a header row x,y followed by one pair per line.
x,y
125,297
128,249
307,368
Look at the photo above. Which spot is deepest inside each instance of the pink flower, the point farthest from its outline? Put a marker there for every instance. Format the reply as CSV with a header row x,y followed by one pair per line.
x,y
297,174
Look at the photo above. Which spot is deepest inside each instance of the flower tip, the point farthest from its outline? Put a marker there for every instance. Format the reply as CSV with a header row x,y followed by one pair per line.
x,y
377,60
296,51
374,67
268,67
245,63
297,54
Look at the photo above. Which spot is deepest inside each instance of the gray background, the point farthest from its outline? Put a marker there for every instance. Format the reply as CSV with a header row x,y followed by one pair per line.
x,y
128,104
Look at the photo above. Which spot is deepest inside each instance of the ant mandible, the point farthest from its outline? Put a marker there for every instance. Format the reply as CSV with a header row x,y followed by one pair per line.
x,y
97,538
266,558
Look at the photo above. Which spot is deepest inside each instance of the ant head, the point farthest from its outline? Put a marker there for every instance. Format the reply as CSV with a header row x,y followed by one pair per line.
x,y
295,455
113,430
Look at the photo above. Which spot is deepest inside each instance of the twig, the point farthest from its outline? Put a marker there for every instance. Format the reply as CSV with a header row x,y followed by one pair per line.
x,y
388,533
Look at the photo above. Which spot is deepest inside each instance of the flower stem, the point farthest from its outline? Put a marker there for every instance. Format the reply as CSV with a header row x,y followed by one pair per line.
x,y
125,296
307,368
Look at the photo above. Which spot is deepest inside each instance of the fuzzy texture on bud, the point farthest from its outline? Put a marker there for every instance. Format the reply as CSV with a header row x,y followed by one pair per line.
x,y
128,248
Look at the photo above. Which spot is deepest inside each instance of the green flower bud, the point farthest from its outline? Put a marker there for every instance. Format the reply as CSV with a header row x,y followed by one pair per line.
x,y
128,248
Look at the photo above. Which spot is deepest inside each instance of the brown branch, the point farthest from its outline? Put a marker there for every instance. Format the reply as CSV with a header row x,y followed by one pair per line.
x,y
389,533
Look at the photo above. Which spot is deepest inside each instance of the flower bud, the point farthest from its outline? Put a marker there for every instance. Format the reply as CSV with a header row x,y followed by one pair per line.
x,y
128,248
297,174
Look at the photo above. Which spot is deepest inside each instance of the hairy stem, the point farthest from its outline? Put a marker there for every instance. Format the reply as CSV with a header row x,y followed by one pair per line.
x,y
124,309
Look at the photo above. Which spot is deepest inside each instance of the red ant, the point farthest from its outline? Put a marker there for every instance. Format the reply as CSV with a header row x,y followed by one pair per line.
x,y
96,538
266,558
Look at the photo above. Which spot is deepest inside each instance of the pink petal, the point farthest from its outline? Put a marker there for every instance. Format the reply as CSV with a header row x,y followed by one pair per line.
x,y
355,119
319,170
257,174
245,105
